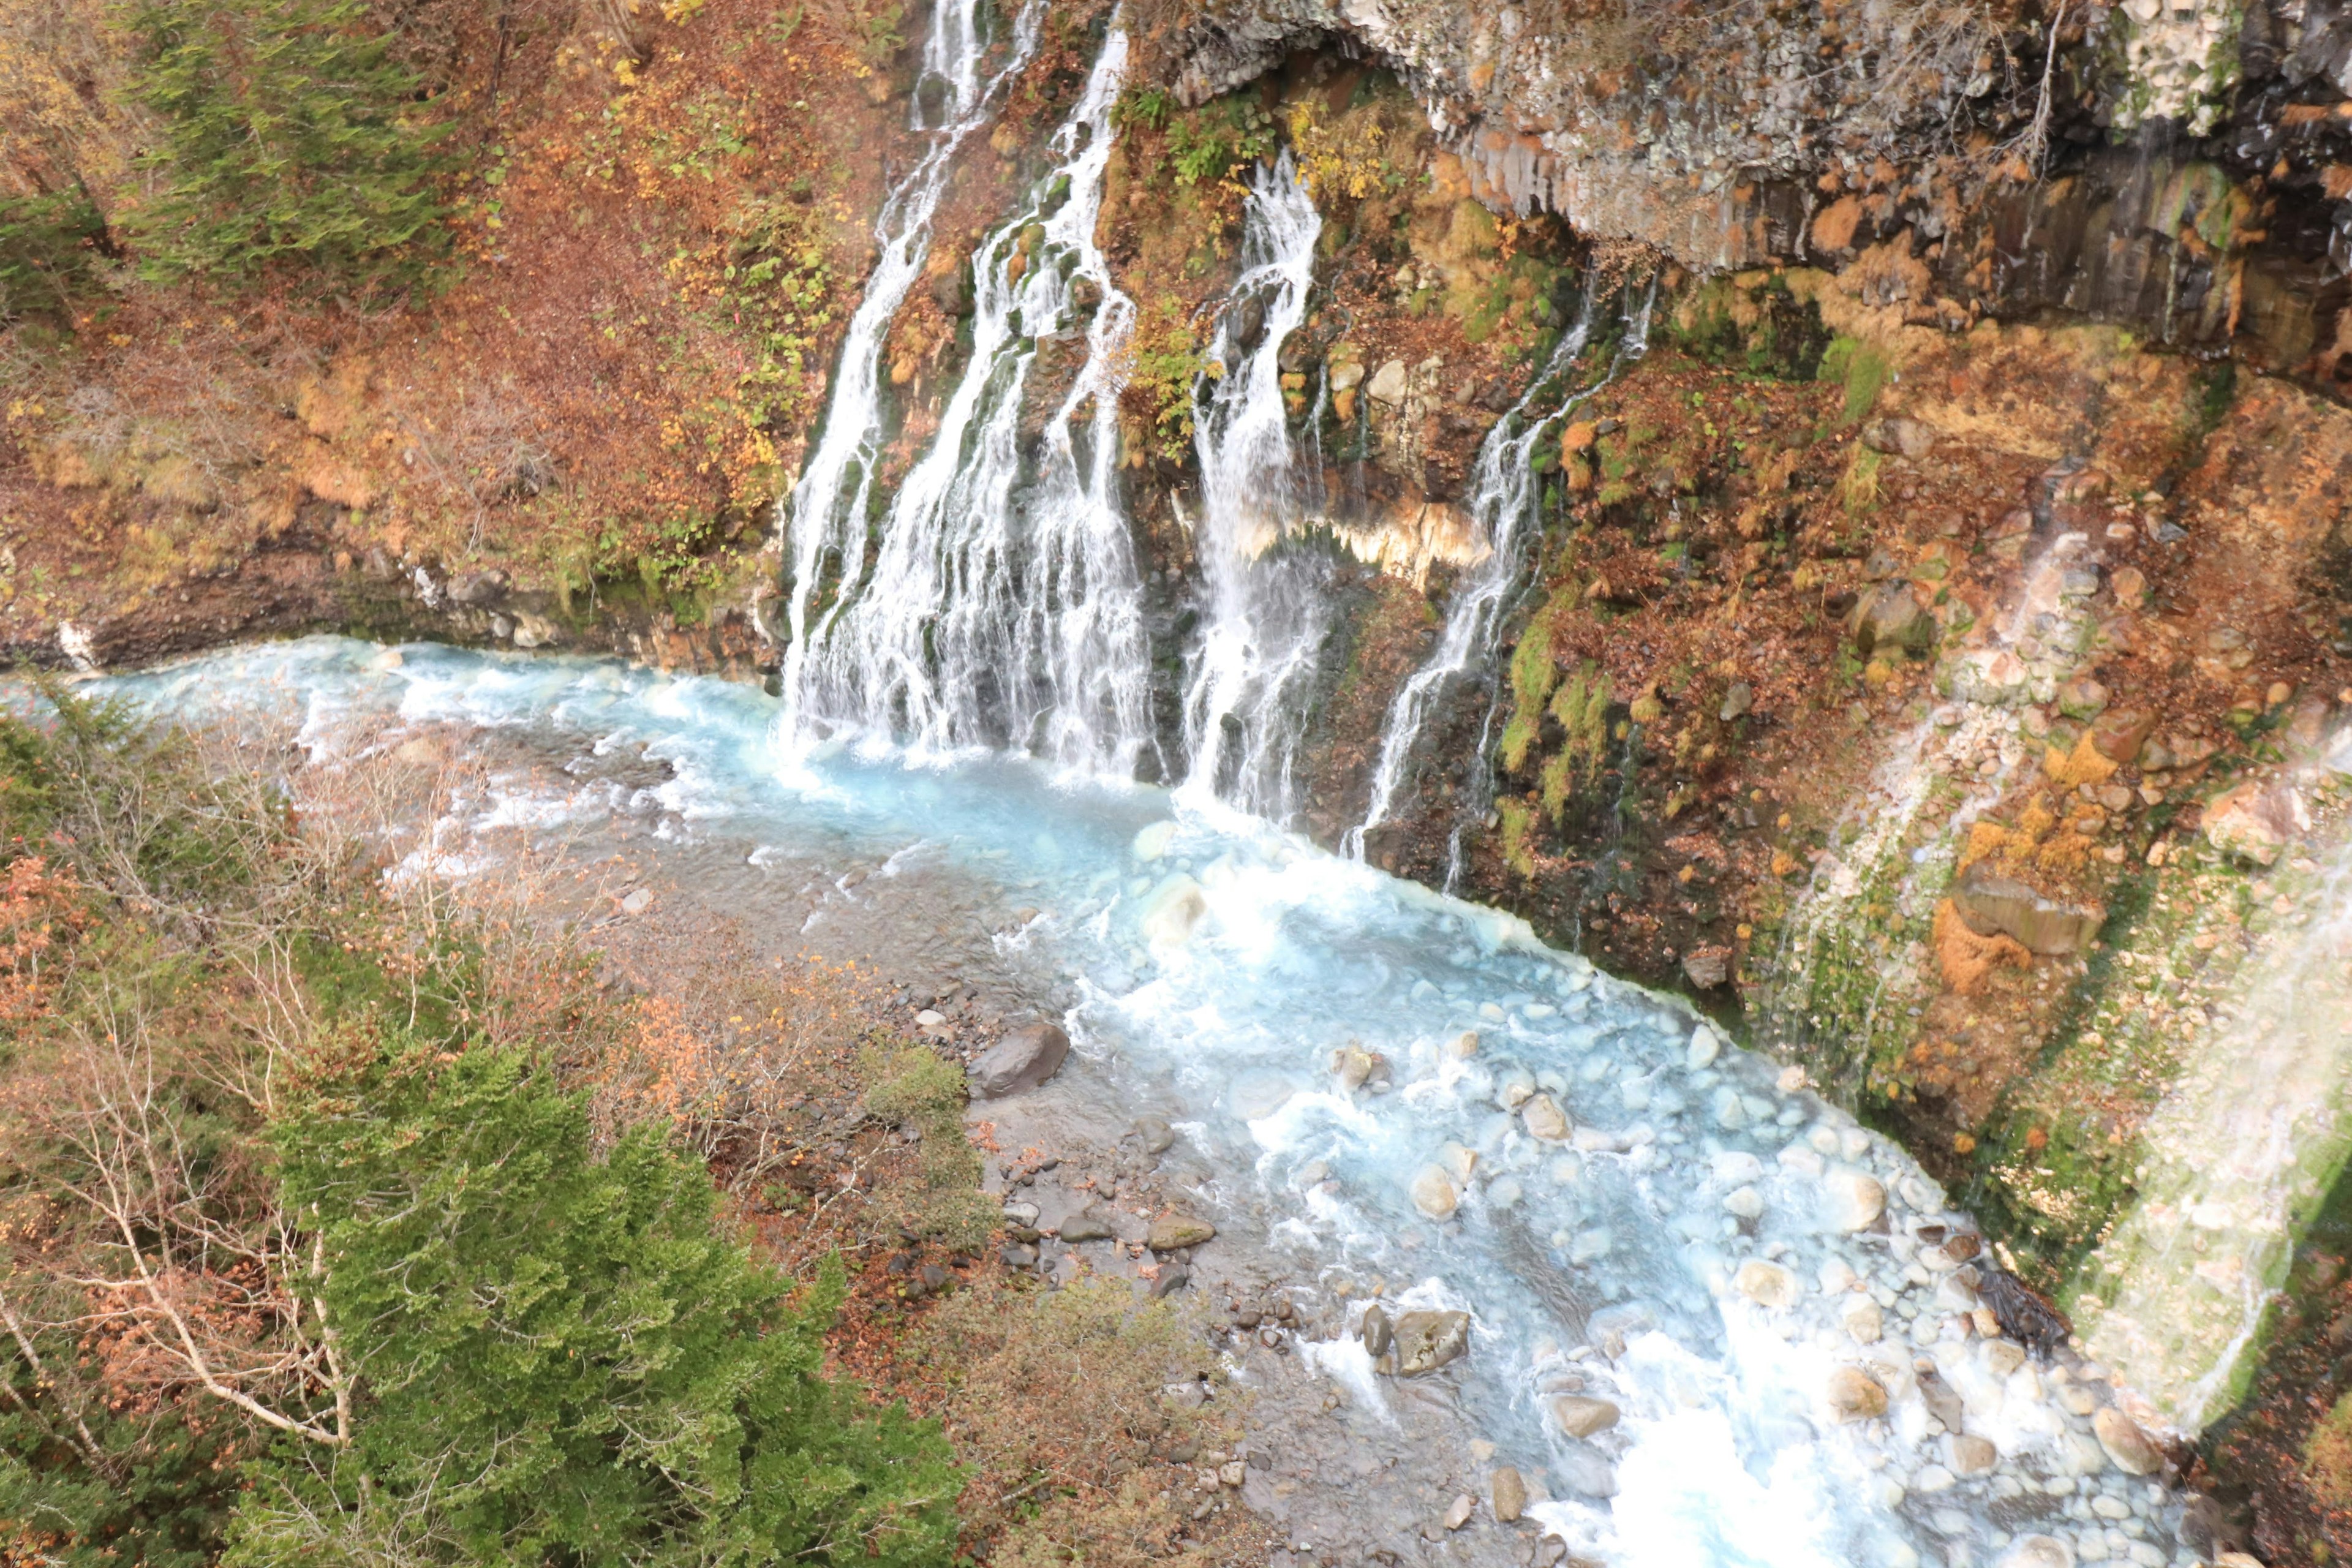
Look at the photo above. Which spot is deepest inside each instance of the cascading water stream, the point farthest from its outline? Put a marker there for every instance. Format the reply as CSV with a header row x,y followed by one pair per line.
x,y
1677,1261
825,514
2241,1152
999,614
1246,695
1501,503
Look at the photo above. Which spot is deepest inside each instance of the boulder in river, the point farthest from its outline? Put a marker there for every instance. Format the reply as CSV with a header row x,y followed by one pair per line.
x,y
1852,1200
1433,1193
1855,1395
1380,1334
1021,1060
1510,1494
2133,1451
1766,1284
1546,1120
1427,1340
1580,1416
1174,1232
1086,1225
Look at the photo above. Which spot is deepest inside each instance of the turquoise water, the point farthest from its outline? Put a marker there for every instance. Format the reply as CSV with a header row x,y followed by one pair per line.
x,y
1702,1244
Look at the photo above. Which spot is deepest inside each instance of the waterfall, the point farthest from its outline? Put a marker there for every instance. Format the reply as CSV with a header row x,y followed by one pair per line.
x,y
1247,694
2240,1153
828,505
993,614
1502,504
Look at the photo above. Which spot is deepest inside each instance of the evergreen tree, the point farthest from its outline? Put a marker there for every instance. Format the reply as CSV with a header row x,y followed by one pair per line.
x,y
290,134
562,1359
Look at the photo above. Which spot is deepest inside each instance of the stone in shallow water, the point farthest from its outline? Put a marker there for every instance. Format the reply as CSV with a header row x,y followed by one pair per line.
x,y
1510,1495
1378,1333
1433,1193
1021,1059
1427,1340
1581,1416
1172,1232
1855,1395
1546,1120
1457,1513
2133,1451
2038,1551
1766,1284
1086,1226
1972,1456
1852,1200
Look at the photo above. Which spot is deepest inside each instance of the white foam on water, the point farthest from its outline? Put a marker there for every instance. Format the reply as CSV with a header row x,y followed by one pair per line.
x,y
1726,1451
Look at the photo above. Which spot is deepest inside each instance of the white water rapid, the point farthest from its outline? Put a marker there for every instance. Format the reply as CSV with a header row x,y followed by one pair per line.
x,y
1504,491
1247,693
827,514
1709,1316
1001,612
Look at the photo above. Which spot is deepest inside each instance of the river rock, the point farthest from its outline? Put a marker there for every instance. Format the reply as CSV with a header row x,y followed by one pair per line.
x,y
1991,904
1353,1066
1434,1194
1154,1134
1580,1416
1706,1045
1175,908
1378,1333
1864,1320
1458,1161
1855,1395
1510,1495
1514,1087
1427,1340
2038,1551
1972,1455
1086,1225
1458,1512
1546,1120
1387,383
1020,1060
1173,1232
2083,696
2255,821
2133,1451
1766,1284
1852,1200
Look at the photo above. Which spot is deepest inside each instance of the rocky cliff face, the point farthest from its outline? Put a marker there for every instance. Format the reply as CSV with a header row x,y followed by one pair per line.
x,y
2178,167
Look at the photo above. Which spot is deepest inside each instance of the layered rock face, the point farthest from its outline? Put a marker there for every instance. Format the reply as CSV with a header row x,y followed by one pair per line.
x,y
2172,163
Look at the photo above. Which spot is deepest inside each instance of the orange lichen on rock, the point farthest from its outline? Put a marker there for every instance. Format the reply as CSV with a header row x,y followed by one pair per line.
x,y
1968,960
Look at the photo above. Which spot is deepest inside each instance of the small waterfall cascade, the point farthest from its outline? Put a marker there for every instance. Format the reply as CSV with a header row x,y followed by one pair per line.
x,y
1503,498
826,512
1248,692
1000,612
1891,844
2240,1153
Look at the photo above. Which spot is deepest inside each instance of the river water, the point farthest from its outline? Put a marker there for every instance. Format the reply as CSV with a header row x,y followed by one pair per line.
x,y
1666,1227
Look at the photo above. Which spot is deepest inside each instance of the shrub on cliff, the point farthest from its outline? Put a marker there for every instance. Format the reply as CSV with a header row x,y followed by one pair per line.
x,y
291,135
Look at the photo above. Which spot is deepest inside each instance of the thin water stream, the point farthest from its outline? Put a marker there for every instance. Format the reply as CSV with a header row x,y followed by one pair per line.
x,y
826,515
1003,607
1708,1314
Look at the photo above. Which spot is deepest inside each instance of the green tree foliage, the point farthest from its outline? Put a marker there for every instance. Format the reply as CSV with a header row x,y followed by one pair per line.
x,y
46,244
292,134
562,1358
295,1220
